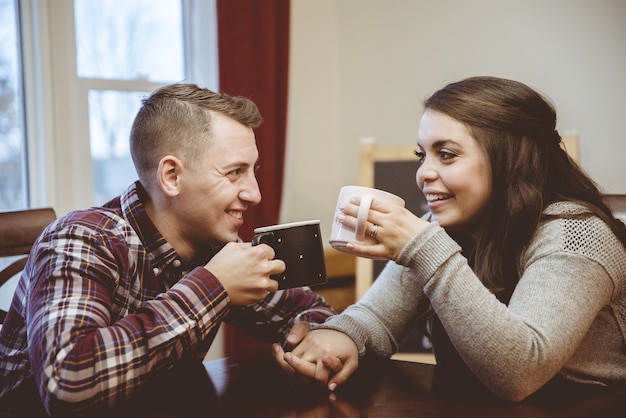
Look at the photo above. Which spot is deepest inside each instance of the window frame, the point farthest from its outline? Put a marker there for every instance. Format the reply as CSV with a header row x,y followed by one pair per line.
x,y
56,110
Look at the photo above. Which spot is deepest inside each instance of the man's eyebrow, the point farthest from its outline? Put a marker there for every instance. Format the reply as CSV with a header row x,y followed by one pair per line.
x,y
235,164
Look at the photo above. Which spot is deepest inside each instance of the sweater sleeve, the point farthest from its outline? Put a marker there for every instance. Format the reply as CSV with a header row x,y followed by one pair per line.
x,y
515,349
385,315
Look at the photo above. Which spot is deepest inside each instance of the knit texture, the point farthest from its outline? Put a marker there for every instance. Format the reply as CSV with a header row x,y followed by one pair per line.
x,y
566,315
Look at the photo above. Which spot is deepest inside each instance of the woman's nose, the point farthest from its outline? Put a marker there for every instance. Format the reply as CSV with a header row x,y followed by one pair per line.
x,y
426,172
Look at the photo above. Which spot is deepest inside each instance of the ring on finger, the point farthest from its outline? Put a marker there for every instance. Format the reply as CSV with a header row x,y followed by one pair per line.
x,y
374,230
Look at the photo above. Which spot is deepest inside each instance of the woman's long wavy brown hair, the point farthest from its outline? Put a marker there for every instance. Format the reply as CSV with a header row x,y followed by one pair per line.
x,y
516,128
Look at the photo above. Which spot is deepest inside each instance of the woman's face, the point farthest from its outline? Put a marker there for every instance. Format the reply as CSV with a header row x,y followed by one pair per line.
x,y
455,175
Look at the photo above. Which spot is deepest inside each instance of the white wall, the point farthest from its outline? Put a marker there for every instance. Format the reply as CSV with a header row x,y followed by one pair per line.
x,y
361,68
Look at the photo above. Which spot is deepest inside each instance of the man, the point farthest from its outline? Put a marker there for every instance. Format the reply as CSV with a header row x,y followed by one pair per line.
x,y
112,295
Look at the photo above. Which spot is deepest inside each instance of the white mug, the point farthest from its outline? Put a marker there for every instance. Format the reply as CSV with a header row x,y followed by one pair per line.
x,y
341,235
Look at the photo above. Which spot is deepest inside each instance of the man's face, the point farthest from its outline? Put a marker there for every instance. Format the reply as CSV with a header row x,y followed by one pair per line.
x,y
216,192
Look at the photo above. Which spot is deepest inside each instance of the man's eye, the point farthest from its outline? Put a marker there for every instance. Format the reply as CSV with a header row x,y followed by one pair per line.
x,y
235,173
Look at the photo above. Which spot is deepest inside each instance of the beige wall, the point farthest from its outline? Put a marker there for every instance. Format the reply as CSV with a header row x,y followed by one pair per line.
x,y
361,68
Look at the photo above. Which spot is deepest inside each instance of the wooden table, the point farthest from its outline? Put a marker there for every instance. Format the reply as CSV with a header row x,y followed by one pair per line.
x,y
256,388
381,388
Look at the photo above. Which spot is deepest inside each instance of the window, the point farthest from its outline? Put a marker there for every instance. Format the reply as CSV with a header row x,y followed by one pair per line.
x,y
124,50
122,41
88,65
13,178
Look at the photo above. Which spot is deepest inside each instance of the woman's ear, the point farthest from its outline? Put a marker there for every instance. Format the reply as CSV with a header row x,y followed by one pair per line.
x,y
168,175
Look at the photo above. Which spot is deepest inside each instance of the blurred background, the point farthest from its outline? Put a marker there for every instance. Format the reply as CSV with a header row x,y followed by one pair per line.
x,y
73,72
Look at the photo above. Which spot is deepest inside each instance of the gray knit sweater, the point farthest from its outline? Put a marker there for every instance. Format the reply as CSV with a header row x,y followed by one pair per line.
x,y
566,316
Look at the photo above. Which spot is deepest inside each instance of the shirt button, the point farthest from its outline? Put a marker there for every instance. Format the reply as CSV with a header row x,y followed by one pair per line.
x,y
156,271
176,263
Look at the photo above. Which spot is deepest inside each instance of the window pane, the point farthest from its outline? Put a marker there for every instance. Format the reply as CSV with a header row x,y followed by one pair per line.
x,y
124,40
111,115
13,180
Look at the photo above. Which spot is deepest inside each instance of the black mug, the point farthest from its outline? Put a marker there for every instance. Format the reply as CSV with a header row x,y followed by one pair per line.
x,y
299,245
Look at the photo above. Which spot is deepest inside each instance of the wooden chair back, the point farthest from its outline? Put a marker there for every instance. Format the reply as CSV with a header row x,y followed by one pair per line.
x,y
617,204
570,143
18,232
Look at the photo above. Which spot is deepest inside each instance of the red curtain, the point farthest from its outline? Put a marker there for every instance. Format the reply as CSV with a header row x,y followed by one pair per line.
x,y
253,44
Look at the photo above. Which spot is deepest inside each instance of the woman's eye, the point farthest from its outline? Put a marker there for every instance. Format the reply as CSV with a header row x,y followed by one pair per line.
x,y
446,155
420,155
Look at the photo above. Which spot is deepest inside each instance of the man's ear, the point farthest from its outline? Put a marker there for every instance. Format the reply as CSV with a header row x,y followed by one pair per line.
x,y
168,175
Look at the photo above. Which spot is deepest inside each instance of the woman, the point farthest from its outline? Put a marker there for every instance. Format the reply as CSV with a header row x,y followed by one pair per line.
x,y
521,273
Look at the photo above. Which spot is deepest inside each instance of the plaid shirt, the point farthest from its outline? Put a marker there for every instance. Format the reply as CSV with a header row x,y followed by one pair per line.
x,y
104,302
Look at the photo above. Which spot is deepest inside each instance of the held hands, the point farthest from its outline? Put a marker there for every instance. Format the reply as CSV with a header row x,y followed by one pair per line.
x,y
326,356
389,227
245,271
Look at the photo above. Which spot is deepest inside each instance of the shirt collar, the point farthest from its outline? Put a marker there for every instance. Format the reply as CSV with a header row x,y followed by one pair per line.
x,y
160,252
163,257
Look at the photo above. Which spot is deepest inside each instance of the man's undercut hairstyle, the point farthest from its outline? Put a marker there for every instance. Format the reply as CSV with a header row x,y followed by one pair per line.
x,y
177,120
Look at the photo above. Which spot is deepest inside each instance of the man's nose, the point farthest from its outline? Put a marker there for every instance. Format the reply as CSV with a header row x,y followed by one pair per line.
x,y
251,192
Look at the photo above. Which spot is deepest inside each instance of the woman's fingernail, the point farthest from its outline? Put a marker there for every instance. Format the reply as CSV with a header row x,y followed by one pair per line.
x,y
332,386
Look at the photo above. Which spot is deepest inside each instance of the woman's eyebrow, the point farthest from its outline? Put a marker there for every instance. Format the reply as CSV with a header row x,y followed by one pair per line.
x,y
440,143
